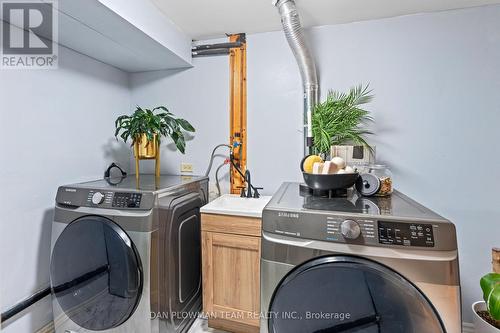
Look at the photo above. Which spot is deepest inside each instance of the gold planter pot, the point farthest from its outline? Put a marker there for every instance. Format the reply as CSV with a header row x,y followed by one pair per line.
x,y
146,150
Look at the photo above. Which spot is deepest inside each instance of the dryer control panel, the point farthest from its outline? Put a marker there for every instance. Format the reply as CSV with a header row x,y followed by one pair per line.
x,y
130,200
82,197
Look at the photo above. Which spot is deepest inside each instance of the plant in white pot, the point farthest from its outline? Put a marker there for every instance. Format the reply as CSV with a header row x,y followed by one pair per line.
x,y
487,312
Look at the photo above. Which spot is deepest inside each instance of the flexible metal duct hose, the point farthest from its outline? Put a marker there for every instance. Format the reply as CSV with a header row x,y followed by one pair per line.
x,y
297,41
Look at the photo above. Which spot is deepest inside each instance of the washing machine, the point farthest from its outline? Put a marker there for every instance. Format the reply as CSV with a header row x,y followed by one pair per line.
x,y
353,264
125,255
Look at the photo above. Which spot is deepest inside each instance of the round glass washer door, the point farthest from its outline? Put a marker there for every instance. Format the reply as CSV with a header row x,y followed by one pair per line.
x,y
96,273
349,294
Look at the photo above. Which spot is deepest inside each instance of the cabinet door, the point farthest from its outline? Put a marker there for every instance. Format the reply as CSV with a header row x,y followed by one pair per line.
x,y
231,277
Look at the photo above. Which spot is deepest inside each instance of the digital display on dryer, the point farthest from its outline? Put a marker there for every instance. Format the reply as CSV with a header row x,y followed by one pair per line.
x,y
406,234
127,200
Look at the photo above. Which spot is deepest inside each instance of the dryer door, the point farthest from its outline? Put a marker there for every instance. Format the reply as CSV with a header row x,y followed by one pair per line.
x,y
349,294
181,253
96,273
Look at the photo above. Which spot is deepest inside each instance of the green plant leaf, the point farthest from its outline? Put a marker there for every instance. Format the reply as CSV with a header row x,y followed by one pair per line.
x,y
185,125
125,135
175,136
120,119
490,285
494,303
340,119
162,108
181,144
148,122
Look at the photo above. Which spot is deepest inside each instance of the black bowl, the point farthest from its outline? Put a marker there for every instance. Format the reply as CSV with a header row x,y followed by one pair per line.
x,y
330,182
302,162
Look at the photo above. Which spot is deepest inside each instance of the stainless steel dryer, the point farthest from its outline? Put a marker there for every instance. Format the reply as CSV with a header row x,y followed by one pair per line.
x,y
354,264
125,257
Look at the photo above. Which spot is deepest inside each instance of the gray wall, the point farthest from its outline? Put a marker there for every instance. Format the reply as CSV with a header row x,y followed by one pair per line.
x,y
200,95
57,127
435,76
436,79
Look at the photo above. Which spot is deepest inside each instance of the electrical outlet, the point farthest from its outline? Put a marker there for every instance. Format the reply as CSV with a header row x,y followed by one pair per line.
x,y
186,167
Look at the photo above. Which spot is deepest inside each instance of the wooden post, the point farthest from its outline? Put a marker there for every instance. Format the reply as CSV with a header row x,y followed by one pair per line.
x,y
238,109
136,157
496,259
157,160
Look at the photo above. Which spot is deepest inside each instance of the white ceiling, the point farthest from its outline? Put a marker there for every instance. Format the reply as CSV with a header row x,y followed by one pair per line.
x,y
202,19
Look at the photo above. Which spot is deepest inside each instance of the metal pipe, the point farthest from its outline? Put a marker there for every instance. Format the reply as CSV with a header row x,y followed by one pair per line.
x,y
212,52
217,46
295,36
29,301
212,156
24,304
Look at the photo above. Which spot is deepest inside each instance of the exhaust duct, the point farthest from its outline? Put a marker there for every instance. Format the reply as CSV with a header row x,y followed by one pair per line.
x,y
297,41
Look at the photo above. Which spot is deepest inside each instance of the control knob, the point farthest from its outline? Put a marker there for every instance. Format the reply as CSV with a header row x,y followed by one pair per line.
x,y
350,229
97,198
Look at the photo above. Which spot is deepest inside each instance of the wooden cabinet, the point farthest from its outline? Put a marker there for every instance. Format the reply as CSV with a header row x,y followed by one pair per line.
x,y
231,272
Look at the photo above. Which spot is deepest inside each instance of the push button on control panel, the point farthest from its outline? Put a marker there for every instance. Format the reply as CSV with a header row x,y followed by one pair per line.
x,y
127,200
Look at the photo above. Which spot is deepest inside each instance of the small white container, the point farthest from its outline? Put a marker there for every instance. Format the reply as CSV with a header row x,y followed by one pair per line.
x,y
480,325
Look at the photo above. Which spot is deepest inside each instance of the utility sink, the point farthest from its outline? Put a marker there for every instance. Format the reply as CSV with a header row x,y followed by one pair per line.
x,y
232,204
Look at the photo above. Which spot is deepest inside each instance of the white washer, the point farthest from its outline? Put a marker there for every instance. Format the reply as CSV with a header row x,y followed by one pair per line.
x,y
354,264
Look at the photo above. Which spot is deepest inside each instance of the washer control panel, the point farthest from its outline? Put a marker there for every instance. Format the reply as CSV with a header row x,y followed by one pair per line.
x,y
406,234
127,200
357,230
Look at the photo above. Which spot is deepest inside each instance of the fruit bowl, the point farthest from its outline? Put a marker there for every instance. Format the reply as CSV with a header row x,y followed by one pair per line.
x,y
330,182
327,182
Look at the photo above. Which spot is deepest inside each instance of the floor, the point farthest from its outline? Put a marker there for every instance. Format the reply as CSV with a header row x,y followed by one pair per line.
x,y
201,326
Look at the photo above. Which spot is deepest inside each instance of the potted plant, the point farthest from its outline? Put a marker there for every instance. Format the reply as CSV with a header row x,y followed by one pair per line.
x,y
487,312
341,121
146,127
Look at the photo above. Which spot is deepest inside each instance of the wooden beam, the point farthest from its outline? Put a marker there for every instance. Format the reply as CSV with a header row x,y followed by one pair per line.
x,y
238,109
495,252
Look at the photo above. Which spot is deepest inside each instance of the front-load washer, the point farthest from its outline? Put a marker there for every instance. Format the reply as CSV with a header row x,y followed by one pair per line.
x,y
355,264
125,255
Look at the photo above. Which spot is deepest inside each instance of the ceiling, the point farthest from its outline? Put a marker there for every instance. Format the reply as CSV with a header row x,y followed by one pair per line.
x,y
203,19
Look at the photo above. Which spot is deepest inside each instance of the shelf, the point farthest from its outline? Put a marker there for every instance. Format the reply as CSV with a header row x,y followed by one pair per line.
x,y
131,35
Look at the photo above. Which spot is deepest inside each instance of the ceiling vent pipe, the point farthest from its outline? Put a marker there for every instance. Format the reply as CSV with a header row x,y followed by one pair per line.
x,y
297,41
